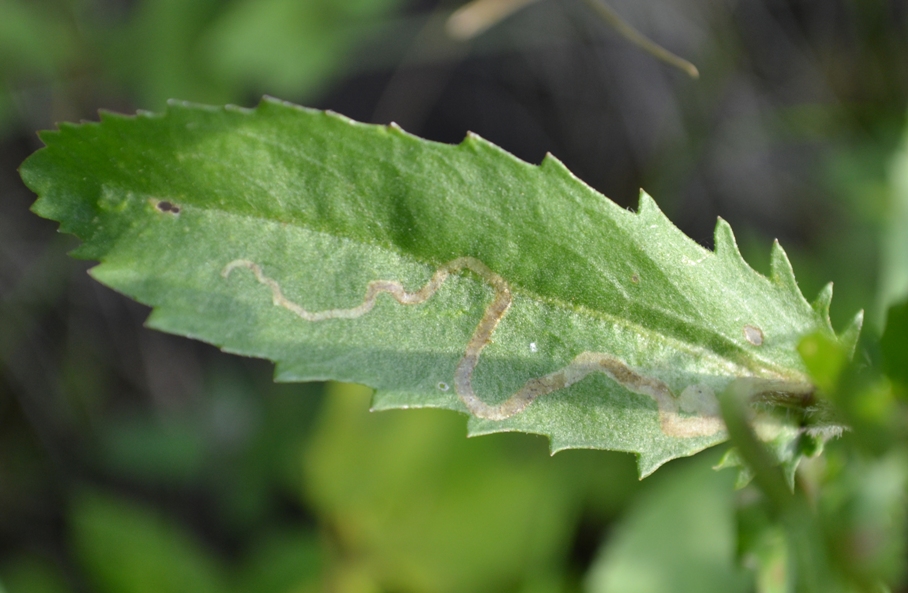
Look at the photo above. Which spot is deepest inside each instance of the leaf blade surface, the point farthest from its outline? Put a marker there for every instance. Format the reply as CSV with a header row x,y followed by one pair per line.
x,y
324,206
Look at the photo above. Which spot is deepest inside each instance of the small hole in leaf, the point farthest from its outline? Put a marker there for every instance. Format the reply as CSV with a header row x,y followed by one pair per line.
x,y
754,335
442,386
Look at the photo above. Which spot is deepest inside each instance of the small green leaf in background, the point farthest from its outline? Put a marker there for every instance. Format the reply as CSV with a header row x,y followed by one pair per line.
x,y
678,537
284,561
894,235
824,358
894,347
127,548
214,215
155,54
289,47
26,573
212,51
36,45
864,518
415,507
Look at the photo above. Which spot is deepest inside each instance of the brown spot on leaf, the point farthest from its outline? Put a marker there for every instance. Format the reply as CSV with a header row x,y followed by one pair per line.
x,y
635,278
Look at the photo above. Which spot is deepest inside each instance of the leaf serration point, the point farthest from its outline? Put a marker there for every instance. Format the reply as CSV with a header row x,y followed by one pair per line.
x,y
822,302
646,205
726,246
849,336
781,271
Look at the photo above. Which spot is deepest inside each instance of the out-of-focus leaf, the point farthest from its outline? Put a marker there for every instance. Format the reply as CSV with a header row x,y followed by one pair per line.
x,y
764,549
33,42
127,548
894,346
864,518
678,537
415,507
824,359
894,249
153,450
288,47
31,574
283,562
866,402
300,206
155,53
35,46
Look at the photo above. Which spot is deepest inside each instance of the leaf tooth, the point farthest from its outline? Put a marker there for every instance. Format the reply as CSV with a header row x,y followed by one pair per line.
x,y
553,165
781,270
473,139
550,160
555,446
104,115
726,246
269,103
649,213
647,207
475,143
647,463
239,109
822,302
344,119
849,336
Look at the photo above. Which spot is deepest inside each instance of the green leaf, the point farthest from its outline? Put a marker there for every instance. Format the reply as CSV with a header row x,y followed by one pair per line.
x,y
894,346
410,505
27,573
894,236
289,46
230,222
126,548
680,536
283,561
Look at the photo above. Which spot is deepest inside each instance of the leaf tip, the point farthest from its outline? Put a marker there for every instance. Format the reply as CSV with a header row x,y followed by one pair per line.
x,y
552,163
268,102
646,205
726,246
781,271
648,212
849,336
473,140
648,463
823,301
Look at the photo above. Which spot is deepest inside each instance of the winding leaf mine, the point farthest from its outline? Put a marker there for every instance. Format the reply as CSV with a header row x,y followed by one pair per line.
x,y
697,401
520,295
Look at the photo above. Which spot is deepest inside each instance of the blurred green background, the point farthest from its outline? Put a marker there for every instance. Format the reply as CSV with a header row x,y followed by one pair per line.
x,y
133,461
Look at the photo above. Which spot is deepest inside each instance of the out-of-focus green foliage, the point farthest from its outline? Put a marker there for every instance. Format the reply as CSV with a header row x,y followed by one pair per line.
x,y
129,549
154,50
290,46
894,348
894,248
679,537
415,507
32,574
